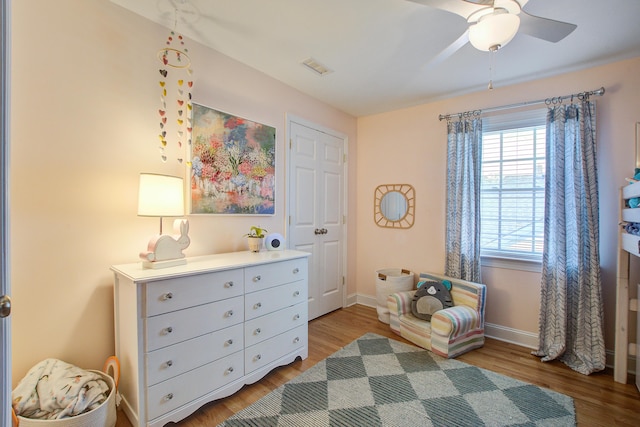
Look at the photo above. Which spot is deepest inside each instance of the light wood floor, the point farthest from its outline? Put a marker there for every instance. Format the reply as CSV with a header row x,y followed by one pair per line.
x,y
599,401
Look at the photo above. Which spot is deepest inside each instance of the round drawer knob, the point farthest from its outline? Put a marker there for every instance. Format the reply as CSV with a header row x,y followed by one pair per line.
x,y
229,370
257,278
168,330
296,270
296,340
258,331
257,305
229,342
167,296
258,357
169,396
229,313
228,284
296,317
169,363
296,294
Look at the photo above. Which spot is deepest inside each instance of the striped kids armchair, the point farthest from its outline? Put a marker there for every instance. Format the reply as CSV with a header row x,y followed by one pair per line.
x,y
451,331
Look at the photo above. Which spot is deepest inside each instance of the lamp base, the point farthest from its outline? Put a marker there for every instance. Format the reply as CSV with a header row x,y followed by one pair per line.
x,y
164,264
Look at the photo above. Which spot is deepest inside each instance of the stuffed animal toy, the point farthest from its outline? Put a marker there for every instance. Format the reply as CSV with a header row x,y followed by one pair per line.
x,y
431,297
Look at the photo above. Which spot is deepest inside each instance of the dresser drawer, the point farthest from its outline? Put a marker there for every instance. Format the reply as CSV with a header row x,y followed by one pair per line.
x,y
267,351
171,394
176,359
269,300
171,328
267,275
273,324
182,292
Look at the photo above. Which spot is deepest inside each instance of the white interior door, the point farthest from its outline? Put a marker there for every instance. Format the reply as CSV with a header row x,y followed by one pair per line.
x,y
317,211
5,302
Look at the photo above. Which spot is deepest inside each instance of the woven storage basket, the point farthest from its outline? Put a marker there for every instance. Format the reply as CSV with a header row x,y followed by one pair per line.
x,y
389,281
103,416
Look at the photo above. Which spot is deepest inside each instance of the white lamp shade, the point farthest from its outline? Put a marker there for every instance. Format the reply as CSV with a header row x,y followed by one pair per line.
x,y
494,30
160,195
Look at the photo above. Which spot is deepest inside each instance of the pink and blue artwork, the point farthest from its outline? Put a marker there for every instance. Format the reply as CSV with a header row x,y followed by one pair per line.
x,y
233,163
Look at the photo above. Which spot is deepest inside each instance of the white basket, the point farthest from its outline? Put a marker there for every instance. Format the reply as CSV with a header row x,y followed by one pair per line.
x,y
103,416
390,281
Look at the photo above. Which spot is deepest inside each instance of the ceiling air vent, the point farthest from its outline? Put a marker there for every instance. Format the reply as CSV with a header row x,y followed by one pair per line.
x,y
316,67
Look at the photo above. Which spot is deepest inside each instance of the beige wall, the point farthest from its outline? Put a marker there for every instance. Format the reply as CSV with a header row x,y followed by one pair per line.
x,y
84,125
409,146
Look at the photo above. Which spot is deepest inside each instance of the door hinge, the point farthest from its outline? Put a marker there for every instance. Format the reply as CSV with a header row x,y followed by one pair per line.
x,y
344,219
290,143
342,280
344,158
289,219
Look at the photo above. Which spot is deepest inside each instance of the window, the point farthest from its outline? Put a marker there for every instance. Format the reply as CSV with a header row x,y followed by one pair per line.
x,y
512,185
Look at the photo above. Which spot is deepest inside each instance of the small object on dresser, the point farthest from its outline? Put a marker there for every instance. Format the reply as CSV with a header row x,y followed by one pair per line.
x,y
163,196
166,251
255,237
274,242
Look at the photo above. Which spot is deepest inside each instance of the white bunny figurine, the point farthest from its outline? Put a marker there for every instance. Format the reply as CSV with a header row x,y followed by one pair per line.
x,y
165,247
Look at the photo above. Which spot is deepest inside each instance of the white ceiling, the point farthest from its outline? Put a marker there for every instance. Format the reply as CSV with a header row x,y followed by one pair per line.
x,y
388,54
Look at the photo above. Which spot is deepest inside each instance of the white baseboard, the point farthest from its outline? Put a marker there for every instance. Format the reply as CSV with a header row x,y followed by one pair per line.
x,y
510,335
365,300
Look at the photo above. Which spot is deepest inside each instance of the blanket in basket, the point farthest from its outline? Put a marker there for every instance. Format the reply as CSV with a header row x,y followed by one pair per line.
x,y
54,389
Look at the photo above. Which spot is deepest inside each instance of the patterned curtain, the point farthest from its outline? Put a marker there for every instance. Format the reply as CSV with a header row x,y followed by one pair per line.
x,y
464,153
571,312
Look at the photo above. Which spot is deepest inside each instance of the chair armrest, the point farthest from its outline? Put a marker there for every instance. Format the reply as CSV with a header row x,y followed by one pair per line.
x,y
399,303
455,321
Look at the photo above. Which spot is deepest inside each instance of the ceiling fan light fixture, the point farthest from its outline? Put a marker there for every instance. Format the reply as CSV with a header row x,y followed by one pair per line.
x,y
494,30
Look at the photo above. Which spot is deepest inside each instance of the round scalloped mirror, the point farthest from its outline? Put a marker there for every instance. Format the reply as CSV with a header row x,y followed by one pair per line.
x,y
394,205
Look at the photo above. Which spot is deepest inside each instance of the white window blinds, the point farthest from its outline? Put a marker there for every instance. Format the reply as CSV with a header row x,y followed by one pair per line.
x,y
512,185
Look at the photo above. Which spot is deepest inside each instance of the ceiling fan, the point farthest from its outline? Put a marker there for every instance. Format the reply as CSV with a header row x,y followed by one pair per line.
x,y
493,23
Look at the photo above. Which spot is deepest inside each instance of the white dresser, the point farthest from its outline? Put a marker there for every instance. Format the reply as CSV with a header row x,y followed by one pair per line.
x,y
190,334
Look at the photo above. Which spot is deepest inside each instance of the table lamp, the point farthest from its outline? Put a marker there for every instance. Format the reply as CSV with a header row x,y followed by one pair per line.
x,y
163,196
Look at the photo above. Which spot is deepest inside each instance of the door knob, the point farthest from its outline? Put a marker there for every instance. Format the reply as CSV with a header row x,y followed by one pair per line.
x,y
317,231
5,306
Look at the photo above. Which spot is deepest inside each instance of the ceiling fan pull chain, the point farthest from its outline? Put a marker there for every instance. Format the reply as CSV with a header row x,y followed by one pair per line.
x,y
492,53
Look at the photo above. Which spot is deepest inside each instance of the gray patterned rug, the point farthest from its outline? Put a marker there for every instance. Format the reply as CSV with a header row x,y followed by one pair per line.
x,y
375,381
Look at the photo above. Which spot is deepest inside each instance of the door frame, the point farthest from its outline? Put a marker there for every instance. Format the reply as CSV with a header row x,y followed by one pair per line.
x,y
291,118
5,288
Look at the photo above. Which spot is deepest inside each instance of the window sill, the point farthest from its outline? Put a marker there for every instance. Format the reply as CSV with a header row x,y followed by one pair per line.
x,y
511,263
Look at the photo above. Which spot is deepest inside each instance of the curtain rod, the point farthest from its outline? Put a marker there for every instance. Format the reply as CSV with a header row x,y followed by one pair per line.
x,y
548,101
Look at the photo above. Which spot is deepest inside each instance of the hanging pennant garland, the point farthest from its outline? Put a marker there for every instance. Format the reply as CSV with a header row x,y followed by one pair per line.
x,y
175,57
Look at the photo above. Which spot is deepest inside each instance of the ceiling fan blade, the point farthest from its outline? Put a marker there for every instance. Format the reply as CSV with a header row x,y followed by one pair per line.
x,y
544,28
459,7
448,51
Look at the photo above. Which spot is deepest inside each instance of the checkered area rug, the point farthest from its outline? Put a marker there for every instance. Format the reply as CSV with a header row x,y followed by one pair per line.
x,y
376,381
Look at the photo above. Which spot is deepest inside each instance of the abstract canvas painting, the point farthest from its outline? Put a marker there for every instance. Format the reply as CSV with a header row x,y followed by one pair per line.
x,y
233,164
